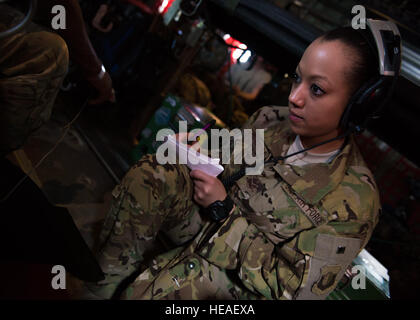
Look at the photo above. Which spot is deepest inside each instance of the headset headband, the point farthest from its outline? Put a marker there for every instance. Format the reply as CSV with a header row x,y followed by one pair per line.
x,y
387,39
372,96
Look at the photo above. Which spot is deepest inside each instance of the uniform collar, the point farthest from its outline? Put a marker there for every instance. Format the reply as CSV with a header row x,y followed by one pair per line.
x,y
313,181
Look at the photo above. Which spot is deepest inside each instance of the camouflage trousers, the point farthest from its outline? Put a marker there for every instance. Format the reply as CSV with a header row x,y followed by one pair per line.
x,y
33,64
151,199
156,199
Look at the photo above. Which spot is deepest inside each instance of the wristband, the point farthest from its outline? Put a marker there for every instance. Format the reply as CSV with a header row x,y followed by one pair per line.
x,y
219,210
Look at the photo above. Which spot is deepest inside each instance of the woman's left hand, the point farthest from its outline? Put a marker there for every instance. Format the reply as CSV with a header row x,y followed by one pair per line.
x,y
207,189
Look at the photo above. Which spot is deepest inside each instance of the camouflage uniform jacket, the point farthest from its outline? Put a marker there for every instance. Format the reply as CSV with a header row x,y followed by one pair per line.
x,y
292,235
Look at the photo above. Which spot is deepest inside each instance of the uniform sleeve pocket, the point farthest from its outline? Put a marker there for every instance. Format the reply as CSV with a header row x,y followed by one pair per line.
x,y
327,266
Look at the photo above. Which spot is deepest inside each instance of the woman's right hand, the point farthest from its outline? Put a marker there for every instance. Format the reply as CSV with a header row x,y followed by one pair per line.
x,y
207,189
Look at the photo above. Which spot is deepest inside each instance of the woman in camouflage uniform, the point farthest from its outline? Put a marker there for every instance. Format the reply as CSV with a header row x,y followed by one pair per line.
x,y
293,229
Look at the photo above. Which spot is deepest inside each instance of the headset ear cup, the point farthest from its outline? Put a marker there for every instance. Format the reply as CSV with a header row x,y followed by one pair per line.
x,y
363,104
344,121
373,100
347,119
378,99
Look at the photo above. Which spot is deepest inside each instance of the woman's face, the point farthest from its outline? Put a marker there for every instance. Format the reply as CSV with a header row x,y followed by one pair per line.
x,y
320,91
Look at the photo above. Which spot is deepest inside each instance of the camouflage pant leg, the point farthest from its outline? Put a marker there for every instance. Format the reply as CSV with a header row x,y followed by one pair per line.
x,y
192,278
151,198
32,67
188,273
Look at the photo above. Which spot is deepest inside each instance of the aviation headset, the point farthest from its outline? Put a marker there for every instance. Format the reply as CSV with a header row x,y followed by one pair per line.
x,y
366,103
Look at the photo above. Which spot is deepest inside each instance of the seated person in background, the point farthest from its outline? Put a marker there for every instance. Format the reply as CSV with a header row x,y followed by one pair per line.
x,y
33,64
248,79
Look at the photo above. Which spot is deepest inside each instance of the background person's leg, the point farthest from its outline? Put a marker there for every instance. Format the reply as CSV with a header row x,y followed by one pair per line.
x,y
151,198
32,68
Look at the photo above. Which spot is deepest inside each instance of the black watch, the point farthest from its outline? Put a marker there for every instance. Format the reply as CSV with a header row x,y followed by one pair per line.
x,y
219,210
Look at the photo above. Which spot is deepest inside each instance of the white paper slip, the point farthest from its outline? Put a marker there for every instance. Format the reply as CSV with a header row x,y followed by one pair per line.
x,y
195,160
